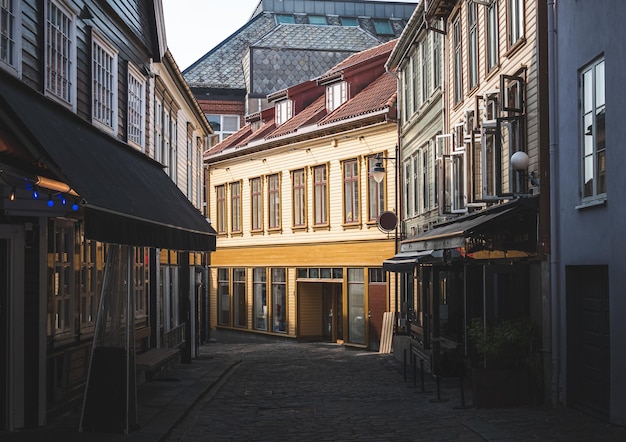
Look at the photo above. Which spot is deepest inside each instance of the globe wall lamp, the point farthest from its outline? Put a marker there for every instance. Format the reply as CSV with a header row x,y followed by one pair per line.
x,y
519,162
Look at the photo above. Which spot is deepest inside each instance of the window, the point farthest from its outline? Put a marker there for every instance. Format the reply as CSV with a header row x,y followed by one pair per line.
x,y
190,151
285,18
516,21
136,107
424,70
283,111
10,34
472,42
165,130
427,182
383,27
235,207
376,192
61,279
336,95
60,53
376,275
593,136
416,84
317,20
141,277
349,21
406,92
279,300
320,201
298,179
224,296
273,201
104,83
239,297
256,204
220,192
416,183
223,125
492,36
408,191
259,284
91,276
351,191
436,46
356,306
458,62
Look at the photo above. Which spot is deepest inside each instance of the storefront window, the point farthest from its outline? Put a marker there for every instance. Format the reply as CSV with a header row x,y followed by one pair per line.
x,y
260,298
224,296
356,306
239,297
279,299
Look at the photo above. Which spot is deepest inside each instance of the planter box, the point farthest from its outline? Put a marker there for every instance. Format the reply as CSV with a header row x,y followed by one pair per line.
x,y
493,388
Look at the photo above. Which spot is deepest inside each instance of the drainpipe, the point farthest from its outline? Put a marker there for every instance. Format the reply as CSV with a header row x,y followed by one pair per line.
x,y
555,294
396,190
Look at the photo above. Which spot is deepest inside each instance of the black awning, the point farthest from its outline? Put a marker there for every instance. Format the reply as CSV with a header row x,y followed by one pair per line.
x,y
405,262
128,198
508,229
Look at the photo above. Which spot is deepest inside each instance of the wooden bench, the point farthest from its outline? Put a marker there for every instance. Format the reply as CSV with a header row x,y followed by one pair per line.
x,y
150,362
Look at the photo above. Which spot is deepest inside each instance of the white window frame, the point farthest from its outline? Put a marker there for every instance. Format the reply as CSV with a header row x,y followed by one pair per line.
x,y
283,111
351,191
492,35
221,132
592,153
515,21
11,38
457,64
60,80
136,118
104,98
472,45
336,95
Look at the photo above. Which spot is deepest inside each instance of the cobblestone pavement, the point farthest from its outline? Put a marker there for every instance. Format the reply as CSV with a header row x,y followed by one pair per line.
x,y
328,392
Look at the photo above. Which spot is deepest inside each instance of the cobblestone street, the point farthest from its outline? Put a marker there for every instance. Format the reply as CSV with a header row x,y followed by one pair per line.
x,y
285,391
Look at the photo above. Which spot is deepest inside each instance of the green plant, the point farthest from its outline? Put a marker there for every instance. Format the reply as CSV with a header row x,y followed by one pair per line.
x,y
507,343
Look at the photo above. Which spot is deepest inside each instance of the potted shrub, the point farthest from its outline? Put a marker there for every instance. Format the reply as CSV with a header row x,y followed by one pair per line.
x,y
506,369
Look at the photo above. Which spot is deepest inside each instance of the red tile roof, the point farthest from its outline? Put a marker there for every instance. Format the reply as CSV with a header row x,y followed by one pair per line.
x,y
311,114
360,57
379,95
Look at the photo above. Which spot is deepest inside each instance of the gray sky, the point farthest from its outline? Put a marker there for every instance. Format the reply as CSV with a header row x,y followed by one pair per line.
x,y
194,27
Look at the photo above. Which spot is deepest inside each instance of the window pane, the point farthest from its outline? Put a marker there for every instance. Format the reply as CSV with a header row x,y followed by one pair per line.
x,y
231,123
383,27
283,18
260,298
349,21
317,19
279,300
356,306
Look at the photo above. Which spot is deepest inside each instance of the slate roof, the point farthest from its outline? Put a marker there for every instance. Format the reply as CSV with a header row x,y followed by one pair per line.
x,y
221,67
261,47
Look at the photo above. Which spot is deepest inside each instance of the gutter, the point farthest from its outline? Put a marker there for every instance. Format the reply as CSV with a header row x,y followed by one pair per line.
x,y
555,277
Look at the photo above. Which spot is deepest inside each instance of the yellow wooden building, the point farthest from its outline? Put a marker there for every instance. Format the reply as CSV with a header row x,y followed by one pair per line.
x,y
298,209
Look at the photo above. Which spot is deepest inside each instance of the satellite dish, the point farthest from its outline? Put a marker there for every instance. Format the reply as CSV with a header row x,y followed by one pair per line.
x,y
387,221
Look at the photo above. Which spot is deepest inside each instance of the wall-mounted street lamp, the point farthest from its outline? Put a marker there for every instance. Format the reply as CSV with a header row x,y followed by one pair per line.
x,y
519,162
378,173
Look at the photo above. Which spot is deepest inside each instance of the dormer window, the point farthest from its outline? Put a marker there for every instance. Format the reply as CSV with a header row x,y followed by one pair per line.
x,y
283,111
336,95
317,20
